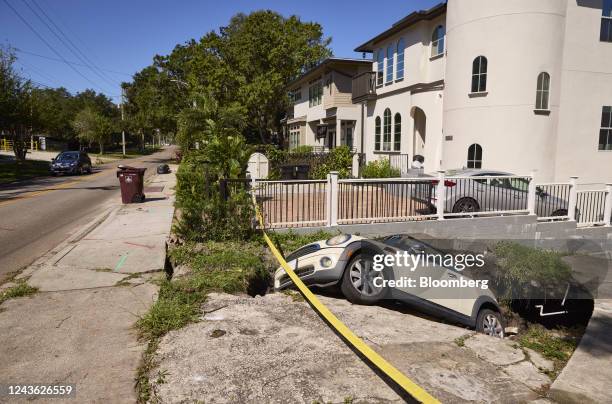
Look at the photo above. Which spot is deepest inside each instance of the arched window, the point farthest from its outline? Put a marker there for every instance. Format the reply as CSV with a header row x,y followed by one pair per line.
x,y
389,64
380,62
543,91
474,159
387,130
399,69
479,74
397,132
437,41
377,133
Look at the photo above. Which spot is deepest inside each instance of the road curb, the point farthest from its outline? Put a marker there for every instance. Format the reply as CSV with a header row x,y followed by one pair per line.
x,y
74,238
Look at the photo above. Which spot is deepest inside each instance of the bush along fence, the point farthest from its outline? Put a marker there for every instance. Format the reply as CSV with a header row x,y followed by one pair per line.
x,y
336,201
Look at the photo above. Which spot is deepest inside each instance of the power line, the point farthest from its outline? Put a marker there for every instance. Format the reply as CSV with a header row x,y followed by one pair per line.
x,y
84,58
59,38
49,45
69,62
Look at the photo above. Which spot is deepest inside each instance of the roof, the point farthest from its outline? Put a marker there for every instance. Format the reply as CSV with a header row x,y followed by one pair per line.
x,y
411,19
329,63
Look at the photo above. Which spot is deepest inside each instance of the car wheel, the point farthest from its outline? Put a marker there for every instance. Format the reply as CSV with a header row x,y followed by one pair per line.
x,y
466,205
560,212
358,281
490,322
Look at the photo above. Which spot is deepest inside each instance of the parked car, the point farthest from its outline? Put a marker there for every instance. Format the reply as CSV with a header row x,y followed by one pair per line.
x,y
348,260
71,162
475,190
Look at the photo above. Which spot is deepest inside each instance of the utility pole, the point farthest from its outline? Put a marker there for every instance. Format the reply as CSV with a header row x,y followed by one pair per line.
x,y
122,123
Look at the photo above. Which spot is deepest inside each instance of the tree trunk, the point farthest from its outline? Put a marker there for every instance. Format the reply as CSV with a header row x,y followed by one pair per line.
x,y
19,144
101,148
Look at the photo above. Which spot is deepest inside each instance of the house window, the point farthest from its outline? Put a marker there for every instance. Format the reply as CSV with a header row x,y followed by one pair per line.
x,y
479,75
606,21
295,96
399,69
543,91
474,159
389,64
437,41
387,130
605,133
294,136
346,137
377,134
315,93
380,60
397,132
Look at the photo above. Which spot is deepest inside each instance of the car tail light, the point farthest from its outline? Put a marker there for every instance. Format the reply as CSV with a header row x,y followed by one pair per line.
x,y
447,183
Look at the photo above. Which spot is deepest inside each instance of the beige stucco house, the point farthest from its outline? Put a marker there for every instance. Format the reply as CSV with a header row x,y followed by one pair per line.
x,y
322,113
507,85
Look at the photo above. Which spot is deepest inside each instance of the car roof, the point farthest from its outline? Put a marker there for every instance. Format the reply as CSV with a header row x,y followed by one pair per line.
x,y
469,172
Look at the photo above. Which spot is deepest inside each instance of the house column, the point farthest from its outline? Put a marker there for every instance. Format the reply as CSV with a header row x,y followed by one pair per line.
x,y
338,132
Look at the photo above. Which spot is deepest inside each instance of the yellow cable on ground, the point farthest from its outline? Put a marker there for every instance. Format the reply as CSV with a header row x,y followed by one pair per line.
x,y
398,377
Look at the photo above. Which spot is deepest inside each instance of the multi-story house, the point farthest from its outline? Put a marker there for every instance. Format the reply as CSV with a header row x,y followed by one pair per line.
x,y
508,85
322,113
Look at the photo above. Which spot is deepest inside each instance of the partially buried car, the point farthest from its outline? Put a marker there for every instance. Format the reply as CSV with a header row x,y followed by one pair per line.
x,y
364,277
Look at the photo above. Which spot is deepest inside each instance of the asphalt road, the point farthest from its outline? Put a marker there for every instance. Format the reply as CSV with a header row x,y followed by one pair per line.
x,y
37,215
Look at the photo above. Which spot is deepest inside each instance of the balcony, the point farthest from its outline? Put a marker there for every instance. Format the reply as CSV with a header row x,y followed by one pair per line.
x,y
364,87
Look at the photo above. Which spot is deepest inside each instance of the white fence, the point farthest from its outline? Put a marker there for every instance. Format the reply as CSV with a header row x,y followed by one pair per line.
x,y
353,201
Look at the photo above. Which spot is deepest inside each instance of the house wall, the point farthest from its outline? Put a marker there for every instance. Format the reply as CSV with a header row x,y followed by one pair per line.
x,y
523,38
586,87
419,68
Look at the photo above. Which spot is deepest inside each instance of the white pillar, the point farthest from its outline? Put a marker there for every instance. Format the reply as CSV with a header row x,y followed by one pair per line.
x,y
531,194
440,195
571,207
332,199
608,205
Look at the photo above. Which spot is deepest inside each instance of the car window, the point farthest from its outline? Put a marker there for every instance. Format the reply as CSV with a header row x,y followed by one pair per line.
x,y
519,184
67,156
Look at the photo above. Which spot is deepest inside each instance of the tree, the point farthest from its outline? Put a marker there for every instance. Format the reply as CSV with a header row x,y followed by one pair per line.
x,y
16,107
91,126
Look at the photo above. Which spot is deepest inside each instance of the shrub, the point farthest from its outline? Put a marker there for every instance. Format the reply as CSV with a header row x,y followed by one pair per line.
x,y
339,159
379,169
302,149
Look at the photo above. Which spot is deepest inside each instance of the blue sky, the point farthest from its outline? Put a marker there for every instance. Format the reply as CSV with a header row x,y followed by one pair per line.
x,y
123,36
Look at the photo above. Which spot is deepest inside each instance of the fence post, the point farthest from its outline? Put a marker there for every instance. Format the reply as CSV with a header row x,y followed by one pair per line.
x,y
531,194
440,195
608,205
332,199
573,197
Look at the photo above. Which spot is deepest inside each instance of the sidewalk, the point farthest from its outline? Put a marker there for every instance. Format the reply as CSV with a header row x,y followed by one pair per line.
x,y
587,377
78,329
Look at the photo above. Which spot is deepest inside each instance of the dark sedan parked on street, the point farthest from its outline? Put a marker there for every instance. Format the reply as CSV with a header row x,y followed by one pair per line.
x,y
71,162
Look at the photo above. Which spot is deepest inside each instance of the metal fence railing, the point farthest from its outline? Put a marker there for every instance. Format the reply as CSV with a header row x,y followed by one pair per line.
x,y
292,203
400,162
486,195
590,207
552,200
384,200
301,203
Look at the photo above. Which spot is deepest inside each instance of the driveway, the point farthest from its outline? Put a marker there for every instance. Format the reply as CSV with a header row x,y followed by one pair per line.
x,y
276,349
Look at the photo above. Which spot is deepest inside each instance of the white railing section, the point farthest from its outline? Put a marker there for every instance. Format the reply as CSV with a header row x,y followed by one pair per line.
x,y
335,201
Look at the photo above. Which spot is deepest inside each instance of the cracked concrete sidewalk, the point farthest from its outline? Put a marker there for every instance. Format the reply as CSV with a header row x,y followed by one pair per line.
x,y
272,349
79,327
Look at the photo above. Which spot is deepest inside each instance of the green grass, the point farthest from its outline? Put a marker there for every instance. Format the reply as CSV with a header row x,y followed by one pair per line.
x,y
19,290
291,241
215,267
16,171
131,153
557,346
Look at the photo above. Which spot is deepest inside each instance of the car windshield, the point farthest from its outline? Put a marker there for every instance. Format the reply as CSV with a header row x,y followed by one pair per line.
x,y
67,157
409,244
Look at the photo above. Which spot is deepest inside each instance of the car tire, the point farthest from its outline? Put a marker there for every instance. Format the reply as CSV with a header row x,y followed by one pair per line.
x,y
466,205
352,285
490,322
559,212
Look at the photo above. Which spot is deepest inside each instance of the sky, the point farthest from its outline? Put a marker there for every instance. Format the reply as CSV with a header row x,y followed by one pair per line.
x,y
121,37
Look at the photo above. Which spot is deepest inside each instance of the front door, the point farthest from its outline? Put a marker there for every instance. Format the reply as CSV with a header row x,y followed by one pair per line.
x,y
331,136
